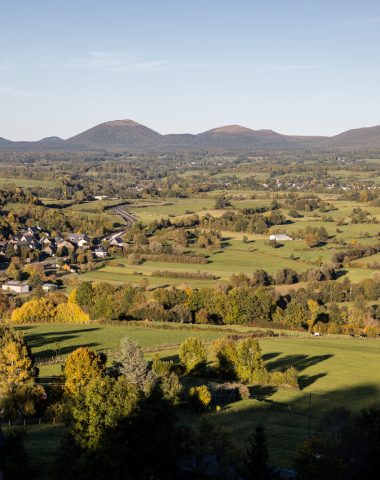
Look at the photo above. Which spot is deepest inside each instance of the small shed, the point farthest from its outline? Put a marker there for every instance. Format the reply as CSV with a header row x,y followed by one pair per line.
x,y
280,237
49,287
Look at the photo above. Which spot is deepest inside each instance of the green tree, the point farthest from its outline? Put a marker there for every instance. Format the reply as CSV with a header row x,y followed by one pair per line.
x,y
256,461
192,354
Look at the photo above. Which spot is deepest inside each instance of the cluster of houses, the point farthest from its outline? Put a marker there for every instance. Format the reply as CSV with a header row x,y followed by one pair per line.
x,y
35,238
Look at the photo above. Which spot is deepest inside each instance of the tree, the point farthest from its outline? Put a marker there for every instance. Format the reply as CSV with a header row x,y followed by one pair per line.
x,y
261,277
171,388
129,435
36,310
14,270
221,203
82,365
85,295
101,406
19,395
71,313
192,354
130,363
256,461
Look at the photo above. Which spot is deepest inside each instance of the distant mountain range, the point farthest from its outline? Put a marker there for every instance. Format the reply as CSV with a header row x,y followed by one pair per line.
x,y
127,135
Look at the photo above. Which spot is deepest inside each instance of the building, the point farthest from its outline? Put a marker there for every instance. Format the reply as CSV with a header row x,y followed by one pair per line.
x,y
15,286
79,239
100,253
280,237
116,242
49,287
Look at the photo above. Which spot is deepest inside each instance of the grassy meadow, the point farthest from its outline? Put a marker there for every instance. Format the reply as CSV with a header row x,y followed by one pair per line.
x,y
335,371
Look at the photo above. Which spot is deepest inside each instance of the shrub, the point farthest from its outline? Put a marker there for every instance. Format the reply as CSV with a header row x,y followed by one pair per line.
x,y
200,396
171,388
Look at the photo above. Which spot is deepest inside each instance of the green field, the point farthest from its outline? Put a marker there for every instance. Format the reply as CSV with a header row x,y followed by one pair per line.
x,y
335,371
235,257
26,182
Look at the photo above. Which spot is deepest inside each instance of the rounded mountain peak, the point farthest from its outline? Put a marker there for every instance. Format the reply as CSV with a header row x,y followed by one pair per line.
x,y
123,123
231,129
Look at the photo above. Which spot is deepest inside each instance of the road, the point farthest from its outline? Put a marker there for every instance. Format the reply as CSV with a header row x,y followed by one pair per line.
x,y
128,218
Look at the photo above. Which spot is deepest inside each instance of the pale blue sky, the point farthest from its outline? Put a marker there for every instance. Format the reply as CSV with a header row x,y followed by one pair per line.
x,y
295,66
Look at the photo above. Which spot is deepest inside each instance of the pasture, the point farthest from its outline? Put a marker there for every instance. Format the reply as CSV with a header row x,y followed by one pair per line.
x,y
6,182
335,371
236,256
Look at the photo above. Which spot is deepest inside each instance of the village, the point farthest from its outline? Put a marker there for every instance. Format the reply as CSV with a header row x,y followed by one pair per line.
x,y
57,253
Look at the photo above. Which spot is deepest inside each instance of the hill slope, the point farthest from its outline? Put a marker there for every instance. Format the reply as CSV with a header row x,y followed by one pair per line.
x,y
118,133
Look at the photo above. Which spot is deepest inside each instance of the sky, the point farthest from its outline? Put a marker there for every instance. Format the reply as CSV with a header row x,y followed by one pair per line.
x,y
185,66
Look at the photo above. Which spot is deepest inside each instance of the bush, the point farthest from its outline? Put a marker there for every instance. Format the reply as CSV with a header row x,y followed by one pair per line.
x,y
200,396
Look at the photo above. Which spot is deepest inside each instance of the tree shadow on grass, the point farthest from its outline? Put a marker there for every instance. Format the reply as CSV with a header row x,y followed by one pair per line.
x,y
65,350
262,392
306,380
299,362
40,339
270,356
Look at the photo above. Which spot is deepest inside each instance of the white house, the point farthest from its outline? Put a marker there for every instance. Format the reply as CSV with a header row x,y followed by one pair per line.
x,y
49,287
116,242
16,286
79,239
100,253
280,237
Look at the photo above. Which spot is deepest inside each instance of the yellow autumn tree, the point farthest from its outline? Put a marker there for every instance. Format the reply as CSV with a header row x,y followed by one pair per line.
x,y
71,313
200,395
81,366
313,308
36,310
19,393
72,298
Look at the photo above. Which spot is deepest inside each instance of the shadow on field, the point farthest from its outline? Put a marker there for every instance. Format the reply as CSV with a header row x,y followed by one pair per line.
x,y
270,356
290,423
299,362
66,350
172,358
262,392
55,339
307,380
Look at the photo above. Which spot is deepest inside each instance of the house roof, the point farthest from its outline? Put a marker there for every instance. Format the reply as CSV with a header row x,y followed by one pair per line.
x,y
15,283
281,236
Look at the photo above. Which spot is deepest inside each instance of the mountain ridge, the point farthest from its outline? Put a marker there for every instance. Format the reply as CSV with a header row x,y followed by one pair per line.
x,y
126,134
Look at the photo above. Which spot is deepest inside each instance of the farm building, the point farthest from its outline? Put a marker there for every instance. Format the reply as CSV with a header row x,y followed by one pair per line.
x,y
280,237
15,286
49,287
